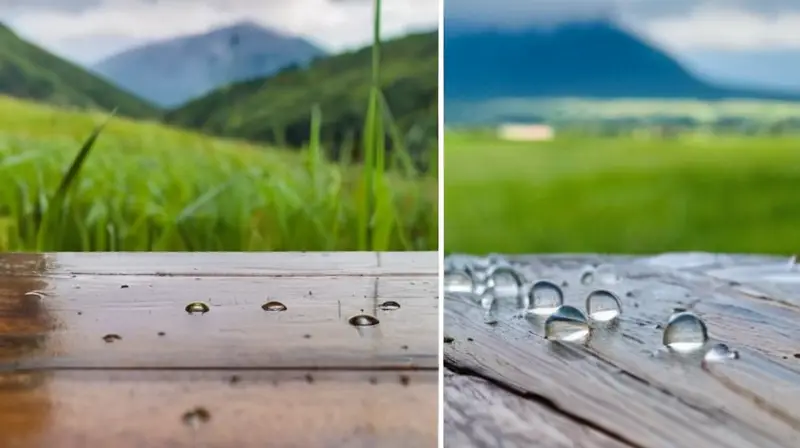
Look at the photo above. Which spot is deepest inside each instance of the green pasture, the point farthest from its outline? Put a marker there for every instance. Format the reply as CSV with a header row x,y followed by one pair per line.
x,y
622,195
144,186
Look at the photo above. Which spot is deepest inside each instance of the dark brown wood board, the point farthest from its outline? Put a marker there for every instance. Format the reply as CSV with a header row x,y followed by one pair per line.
x,y
99,350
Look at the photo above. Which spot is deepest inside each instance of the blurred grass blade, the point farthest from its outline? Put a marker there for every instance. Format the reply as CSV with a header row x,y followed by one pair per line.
x,y
79,160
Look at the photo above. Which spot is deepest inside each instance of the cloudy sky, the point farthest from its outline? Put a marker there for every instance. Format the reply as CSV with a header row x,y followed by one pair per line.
x,y
87,30
682,25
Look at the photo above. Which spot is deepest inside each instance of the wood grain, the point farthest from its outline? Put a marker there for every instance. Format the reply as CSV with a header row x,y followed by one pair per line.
x,y
622,384
98,350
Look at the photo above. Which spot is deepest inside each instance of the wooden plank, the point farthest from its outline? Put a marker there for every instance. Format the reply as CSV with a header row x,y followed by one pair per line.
x,y
480,414
98,350
74,314
257,409
617,386
222,263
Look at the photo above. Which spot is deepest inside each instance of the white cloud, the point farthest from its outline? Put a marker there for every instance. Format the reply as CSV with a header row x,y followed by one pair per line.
x,y
335,25
709,28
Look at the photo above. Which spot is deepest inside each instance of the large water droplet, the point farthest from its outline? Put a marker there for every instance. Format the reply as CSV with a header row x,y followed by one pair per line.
x,y
504,281
566,324
458,282
197,307
719,353
363,320
685,332
389,305
607,274
544,298
603,306
273,306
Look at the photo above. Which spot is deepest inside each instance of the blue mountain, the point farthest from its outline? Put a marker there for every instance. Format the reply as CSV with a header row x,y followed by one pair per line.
x,y
593,59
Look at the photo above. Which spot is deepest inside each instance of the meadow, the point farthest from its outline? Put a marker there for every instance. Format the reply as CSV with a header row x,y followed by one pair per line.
x,y
622,194
143,186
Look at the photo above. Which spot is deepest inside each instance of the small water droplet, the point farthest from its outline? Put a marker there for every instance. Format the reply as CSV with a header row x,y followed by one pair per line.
x,y
792,262
363,320
196,417
197,307
458,282
719,353
603,306
607,274
273,306
587,276
567,324
544,298
109,338
389,305
685,332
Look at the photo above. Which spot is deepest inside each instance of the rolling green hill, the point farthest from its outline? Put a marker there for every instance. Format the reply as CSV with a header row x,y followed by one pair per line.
x,y
27,71
277,109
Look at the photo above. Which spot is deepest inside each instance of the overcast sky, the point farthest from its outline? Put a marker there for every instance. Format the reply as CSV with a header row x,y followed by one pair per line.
x,y
683,25
87,30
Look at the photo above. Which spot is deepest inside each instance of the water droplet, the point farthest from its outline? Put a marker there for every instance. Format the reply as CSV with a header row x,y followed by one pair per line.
x,y
719,353
607,274
109,338
544,298
196,417
587,276
273,306
363,320
197,307
389,305
603,306
685,332
792,262
567,324
458,281
504,281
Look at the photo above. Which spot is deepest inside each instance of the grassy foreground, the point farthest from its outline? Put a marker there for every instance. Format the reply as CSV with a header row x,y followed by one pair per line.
x,y
622,195
147,187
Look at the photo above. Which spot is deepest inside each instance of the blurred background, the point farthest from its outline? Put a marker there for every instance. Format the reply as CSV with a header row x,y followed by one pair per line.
x,y
622,126
239,125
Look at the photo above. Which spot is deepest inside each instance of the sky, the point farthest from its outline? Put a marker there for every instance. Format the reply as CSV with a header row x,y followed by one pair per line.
x,y
88,30
680,25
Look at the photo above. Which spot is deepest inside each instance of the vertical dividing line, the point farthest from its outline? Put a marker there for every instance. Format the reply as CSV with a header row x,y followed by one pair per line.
x,y
441,172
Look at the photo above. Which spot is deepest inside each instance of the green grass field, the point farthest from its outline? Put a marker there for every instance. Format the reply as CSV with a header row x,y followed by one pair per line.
x,y
621,195
149,187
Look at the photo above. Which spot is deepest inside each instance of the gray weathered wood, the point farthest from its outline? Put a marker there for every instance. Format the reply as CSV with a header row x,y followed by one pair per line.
x,y
622,384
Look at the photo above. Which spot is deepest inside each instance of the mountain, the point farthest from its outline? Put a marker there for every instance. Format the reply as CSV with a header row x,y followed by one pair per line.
x,y
277,109
173,71
593,59
27,71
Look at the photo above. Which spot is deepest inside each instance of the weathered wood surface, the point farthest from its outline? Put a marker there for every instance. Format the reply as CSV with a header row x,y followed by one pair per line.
x,y
511,387
302,377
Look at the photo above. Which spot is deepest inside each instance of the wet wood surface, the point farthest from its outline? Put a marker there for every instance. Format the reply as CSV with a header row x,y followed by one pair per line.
x,y
506,385
99,350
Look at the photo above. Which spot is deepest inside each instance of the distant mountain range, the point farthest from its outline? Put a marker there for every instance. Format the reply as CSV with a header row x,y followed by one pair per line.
x,y
27,71
173,71
593,59
277,109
